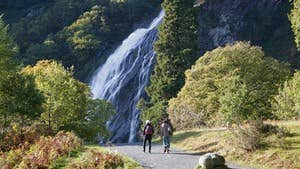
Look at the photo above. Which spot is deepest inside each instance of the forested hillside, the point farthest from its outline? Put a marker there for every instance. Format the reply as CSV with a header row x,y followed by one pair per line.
x,y
78,33
228,69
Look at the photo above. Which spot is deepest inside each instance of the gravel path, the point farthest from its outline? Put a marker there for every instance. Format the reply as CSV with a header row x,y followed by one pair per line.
x,y
158,160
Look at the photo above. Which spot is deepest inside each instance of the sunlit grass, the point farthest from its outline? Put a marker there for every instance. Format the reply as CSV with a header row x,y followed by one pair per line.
x,y
277,154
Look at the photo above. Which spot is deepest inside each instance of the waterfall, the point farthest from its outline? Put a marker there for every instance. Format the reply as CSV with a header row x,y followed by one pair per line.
x,y
123,77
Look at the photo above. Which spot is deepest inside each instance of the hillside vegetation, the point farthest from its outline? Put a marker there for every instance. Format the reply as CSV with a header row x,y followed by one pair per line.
x,y
47,113
78,33
279,153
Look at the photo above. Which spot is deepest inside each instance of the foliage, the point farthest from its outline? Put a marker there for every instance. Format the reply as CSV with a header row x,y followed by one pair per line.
x,y
65,97
248,138
295,20
94,124
98,160
7,69
76,32
19,98
286,104
7,51
42,153
68,105
14,139
176,51
229,84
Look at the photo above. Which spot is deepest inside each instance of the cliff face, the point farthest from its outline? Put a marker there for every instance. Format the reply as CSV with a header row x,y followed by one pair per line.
x,y
262,22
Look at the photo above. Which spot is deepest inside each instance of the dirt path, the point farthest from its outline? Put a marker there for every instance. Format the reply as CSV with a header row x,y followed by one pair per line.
x,y
158,160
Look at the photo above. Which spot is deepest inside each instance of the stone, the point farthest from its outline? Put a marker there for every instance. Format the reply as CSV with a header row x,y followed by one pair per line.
x,y
212,161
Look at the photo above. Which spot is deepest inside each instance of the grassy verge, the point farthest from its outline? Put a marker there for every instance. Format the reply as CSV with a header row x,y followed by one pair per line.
x,y
276,154
77,157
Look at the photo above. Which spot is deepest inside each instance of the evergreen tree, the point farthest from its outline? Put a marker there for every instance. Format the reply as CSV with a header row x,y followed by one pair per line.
x,y
19,98
7,51
176,51
7,69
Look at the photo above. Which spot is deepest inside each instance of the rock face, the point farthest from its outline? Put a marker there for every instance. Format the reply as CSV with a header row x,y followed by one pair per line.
x,y
212,161
262,22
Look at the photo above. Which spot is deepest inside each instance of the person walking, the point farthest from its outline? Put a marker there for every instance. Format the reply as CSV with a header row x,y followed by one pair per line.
x,y
148,132
166,131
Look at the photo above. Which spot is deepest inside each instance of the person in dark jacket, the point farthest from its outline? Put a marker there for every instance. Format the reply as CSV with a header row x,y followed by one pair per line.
x,y
148,132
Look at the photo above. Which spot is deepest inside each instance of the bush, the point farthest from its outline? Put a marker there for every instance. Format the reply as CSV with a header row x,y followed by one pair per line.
x,y
98,160
15,139
248,138
256,134
286,103
42,153
48,149
11,159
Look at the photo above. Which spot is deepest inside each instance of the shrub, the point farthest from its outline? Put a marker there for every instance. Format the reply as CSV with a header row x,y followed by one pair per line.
x,y
98,160
42,153
248,138
48,149
11,159
15,139
256,134
286,105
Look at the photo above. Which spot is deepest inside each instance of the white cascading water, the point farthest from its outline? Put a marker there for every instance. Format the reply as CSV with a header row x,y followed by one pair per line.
x,y
123,77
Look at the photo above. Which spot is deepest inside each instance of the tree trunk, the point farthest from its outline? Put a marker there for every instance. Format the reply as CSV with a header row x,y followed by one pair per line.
x,y
3,126
22,126
49,116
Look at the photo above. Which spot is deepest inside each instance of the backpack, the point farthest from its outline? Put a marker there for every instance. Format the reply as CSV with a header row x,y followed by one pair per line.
x,y
148,130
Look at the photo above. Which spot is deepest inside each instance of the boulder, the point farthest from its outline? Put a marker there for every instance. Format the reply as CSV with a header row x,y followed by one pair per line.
x,y
212,161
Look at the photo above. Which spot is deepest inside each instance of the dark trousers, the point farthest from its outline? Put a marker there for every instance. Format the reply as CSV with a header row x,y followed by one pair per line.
x,y
147,138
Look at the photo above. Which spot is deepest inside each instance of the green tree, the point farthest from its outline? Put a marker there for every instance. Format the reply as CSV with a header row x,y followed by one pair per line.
x,y
287,103
83,35
65,97
295,21
7,51
99,112
25,100
176,51
7,71
19,98
231,84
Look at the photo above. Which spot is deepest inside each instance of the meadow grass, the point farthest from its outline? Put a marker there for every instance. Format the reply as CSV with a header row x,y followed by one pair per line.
x,y
277,153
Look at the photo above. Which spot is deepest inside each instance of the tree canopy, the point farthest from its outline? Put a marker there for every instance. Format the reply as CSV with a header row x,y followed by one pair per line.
x,y
230,84
287,103
295,21
19,98
66,101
